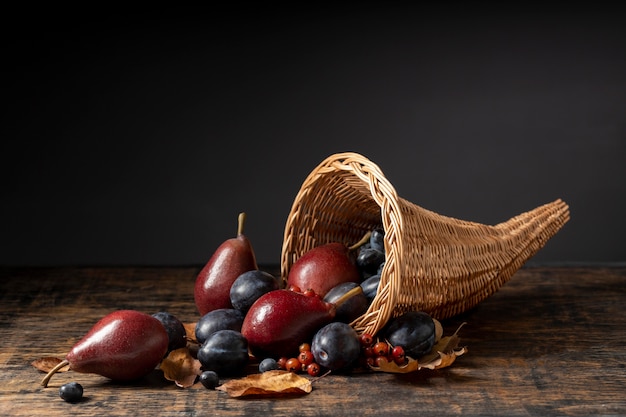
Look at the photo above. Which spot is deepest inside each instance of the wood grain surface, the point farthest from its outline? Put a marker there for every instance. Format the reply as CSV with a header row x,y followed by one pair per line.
x,y
551,342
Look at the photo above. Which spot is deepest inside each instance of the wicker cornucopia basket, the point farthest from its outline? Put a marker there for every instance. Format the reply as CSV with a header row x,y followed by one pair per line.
x,y
434,263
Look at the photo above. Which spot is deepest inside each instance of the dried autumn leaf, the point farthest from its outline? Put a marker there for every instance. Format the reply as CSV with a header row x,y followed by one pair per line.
x,y
267,384
47,363
190,332
179,366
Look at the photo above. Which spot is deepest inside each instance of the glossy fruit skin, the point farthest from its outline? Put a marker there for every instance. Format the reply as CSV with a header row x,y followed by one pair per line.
x,y
231,259
336,346
224,352
175,330
209,379
280,320
369,259
268,364
352,308
220,319
370,287
249,286
71,392
123,345
414,331
377,239
322,268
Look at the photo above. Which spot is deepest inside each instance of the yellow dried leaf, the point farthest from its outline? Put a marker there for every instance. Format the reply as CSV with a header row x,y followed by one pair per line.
x,y
277,383
47,363
182,368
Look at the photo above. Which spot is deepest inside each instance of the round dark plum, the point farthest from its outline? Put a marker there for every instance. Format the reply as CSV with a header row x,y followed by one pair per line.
x,y
220,319
249,286
209,379
268,364
353,307
377,239
224,352
336,346
174,328
370,287
369,259
71,392
414,331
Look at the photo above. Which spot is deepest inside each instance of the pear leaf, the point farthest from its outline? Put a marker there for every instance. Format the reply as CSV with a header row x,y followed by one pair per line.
x,y
277,383
182,368
46,364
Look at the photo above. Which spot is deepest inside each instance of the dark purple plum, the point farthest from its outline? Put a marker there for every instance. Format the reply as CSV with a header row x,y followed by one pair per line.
x,y
249,286
377,239
414,331
71,392
370,287
175,330
224,352
220,319
209,379
353,307
268,364
336,346
369,259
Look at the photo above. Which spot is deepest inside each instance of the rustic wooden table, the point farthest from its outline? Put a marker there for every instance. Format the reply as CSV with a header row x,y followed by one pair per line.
x,y
550,342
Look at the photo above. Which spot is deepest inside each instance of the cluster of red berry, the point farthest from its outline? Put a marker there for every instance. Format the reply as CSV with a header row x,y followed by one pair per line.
x,y
375,351
304,362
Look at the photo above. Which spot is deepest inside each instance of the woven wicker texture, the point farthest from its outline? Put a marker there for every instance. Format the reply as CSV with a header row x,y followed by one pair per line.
x,y
434,263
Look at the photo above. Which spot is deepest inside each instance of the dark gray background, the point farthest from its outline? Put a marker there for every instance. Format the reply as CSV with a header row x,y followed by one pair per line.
x,y
137,138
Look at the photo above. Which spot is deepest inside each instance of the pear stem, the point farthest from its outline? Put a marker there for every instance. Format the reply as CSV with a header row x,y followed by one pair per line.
x,y
361,242
241,220
46,379
354,291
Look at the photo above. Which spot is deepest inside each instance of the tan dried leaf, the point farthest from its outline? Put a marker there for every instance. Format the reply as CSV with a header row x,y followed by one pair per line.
x,y
47,363
182,368
190,332
277,383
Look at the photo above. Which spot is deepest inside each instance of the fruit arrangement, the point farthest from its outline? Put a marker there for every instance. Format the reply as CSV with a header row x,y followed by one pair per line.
x,y
249,323
365,276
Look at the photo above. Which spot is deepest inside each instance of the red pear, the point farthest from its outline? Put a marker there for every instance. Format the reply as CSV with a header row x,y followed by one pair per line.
x,y
280,320
323,268
231,259
123,345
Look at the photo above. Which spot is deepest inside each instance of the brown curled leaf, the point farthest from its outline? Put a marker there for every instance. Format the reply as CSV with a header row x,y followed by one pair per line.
x,y
182,368
276,383
47,363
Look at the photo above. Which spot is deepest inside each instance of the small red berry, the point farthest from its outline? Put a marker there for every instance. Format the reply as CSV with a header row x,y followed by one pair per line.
x,y
380,360
309,292
306,357
397,353
294,288
303,347
366,340
313,369
282,362
381,349
293,365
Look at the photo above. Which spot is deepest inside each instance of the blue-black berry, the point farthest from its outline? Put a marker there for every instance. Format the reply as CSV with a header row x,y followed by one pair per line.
x,y
209,379
71,392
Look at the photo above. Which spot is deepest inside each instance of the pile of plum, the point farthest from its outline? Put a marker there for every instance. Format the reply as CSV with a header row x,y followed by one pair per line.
x,y
247,314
